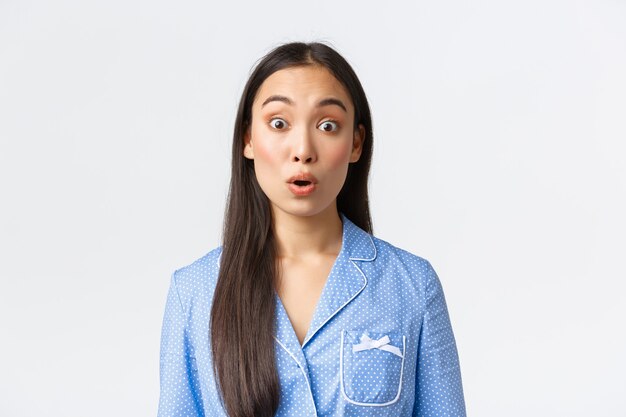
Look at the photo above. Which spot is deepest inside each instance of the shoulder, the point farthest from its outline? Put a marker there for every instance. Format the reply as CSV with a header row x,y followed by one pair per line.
x,y
389,253
403,261
198,277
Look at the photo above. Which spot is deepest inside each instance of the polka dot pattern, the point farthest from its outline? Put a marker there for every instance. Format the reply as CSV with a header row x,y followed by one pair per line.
x,y
378,301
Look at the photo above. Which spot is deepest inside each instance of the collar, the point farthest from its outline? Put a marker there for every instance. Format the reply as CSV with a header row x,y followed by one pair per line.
x,y
356,242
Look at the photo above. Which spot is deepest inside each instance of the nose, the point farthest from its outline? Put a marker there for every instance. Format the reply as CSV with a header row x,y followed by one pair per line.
x,y
304,148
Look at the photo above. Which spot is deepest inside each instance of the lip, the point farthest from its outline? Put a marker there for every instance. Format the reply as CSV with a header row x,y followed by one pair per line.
x,y
303,176
302,190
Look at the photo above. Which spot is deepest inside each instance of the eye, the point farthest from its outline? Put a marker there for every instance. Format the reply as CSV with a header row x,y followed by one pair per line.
x,y
329,126
278,123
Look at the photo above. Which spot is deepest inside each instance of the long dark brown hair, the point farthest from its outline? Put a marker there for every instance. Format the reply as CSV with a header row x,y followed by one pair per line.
x,y
242,315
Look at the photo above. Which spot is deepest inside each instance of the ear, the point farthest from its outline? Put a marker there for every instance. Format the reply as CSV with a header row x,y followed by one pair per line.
x,y
357,143
248,152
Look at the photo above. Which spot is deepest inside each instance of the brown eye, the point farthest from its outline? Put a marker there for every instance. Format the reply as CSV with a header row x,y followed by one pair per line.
x,y
329,126
278,123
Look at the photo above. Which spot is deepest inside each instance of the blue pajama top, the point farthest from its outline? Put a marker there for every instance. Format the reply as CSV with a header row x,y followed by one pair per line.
x,y
380,342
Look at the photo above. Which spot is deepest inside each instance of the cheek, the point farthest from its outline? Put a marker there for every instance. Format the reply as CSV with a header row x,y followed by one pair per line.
x,y
266,167
266,153
338,156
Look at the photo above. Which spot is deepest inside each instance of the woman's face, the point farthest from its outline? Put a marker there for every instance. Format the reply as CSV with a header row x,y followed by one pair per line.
x,y
302,124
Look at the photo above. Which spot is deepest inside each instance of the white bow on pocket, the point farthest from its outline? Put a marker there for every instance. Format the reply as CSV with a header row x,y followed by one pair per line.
x,y
382,344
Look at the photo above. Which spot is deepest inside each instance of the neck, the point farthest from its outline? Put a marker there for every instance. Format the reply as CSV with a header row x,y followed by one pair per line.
x,y
300,237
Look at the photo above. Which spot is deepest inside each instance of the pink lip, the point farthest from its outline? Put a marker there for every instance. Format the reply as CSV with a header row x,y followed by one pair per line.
x,y
302,190
303,176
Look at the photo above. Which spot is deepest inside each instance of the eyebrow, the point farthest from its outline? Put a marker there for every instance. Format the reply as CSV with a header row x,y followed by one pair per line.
x,y
284,99
324,102
332,101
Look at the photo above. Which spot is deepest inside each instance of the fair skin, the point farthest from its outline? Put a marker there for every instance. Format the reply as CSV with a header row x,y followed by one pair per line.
x,y
302,121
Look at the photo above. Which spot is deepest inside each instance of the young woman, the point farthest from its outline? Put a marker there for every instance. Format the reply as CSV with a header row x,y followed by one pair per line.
x,y
302,311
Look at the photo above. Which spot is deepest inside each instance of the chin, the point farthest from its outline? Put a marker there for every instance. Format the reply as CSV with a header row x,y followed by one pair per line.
x,y
304,208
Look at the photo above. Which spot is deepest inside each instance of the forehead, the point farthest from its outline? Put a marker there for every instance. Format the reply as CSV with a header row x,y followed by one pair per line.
x,y
303,84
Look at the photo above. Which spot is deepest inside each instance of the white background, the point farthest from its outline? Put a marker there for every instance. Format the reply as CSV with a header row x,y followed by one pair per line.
x,y
499,157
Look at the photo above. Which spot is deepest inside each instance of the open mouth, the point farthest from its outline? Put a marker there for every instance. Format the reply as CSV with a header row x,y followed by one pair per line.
x,y
302,188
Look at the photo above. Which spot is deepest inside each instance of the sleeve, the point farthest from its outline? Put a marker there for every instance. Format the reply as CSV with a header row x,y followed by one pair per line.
x,y
180,389
438,390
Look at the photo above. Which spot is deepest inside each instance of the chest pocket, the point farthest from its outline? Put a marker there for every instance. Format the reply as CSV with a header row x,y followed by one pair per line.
x,y
371,367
